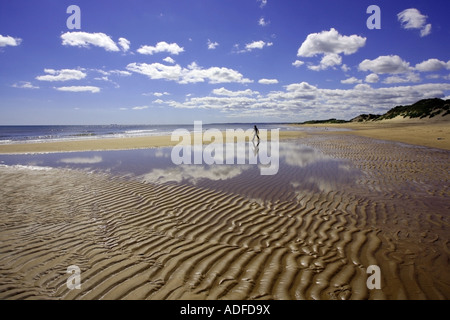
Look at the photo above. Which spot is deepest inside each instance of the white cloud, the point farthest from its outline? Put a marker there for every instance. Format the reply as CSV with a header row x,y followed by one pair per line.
x,y
79,89
122,73
330,42
113,72
224,92
257,45
351,80
263,3
125,44
372,78
192,74
140,108
345,68
304,101
169,60
410,77
61,75
297,63
262,22
268,81
24,85
328,61
413,19
162,46
160,94
385,64
85,39
212,45
432,65
425,30
9,41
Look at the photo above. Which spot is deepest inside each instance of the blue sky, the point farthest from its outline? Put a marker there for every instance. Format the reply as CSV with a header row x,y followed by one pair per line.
x,y
161,62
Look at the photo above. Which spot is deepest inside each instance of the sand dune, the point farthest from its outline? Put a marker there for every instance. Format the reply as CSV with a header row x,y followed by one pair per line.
x,y
142,240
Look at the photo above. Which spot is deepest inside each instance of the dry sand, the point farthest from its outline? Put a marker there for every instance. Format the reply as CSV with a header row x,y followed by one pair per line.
x,y
434,132
135,240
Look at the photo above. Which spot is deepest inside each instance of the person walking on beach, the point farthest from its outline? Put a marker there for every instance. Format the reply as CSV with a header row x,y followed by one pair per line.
x,y
256,134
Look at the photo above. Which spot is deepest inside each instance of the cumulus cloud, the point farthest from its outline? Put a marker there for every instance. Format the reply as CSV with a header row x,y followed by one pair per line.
x,y
212,45
224,92
140,108
328,61
410,77
351,80
413,19
257,45
298,63
304,101
61,75
79,89
162,46
160,94
330,42
192,74
268,81
385,64
113,72
345,68
169,60
125,44
432,65
9,41
85,39
24,85
372,78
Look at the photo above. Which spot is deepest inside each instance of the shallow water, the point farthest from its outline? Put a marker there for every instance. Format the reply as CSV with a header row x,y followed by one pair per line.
x,y
296,168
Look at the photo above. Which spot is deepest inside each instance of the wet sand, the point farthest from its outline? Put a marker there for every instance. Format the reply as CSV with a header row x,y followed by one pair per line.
x,y
234,239
117,143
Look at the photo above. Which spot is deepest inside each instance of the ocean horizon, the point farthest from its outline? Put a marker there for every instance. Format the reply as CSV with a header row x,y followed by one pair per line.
x,y
12,134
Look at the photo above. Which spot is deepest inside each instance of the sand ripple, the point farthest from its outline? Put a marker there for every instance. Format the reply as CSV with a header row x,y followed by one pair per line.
x,y
135,240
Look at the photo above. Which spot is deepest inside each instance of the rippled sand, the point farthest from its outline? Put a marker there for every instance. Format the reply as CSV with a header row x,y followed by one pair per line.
x,y
141,238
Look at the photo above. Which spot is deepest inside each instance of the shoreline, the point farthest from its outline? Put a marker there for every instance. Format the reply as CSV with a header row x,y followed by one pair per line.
x,y
426,133
113,144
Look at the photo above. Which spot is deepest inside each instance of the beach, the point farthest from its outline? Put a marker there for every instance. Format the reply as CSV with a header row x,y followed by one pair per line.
x,y
341,202
434,133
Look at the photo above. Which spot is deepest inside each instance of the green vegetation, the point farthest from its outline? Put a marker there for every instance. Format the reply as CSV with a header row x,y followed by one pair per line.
x,y
426,108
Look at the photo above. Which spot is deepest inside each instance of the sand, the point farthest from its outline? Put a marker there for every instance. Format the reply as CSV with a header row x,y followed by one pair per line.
x,y
115,143
135,239
434,133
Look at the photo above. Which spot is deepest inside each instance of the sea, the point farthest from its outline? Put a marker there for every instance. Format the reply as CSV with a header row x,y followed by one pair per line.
x,y
51,133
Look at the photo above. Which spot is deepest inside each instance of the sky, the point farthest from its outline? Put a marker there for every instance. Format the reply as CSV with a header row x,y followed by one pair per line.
x,y
218,61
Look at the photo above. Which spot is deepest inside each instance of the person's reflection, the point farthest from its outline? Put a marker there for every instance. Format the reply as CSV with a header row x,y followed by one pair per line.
x,y
255,148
